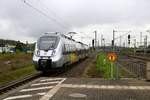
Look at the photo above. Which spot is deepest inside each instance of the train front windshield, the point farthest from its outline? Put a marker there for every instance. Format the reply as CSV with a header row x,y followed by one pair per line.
x,y
46,43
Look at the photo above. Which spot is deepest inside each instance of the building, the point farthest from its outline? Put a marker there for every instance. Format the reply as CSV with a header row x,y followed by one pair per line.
x,y
7,48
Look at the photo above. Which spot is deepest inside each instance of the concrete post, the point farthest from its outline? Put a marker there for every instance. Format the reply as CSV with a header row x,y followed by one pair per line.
x,y
148,71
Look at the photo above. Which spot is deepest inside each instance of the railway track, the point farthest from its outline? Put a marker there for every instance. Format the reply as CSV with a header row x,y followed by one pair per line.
x,y
134,65
14,84
139,57
54,73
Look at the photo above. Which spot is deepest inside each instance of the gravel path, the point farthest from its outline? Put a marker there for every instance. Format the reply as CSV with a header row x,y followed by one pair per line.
x,y
77,70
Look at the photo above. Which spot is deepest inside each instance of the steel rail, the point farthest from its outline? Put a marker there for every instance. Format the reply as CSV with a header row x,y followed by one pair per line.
x,y
16,83
138,57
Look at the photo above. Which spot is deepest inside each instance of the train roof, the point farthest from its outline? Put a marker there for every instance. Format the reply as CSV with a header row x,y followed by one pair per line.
x,y
58,33
50,34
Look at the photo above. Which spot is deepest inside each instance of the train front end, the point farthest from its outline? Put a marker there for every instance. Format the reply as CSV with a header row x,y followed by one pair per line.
x,y
46,55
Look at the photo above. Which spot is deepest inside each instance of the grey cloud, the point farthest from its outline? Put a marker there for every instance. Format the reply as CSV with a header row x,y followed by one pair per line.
x,y
25,21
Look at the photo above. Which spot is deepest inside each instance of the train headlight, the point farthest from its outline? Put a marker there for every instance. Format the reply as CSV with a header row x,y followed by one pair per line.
x,y
53,53
38,53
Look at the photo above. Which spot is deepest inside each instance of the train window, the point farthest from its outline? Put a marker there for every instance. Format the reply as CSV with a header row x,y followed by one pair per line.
x,y
46,43
64,49
69,47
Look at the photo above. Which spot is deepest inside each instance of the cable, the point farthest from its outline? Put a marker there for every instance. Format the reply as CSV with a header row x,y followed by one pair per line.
x,y
44,14
50,18
53,13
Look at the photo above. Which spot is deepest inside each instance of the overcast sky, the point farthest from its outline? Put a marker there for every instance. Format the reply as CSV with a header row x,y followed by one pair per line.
x,y
18,21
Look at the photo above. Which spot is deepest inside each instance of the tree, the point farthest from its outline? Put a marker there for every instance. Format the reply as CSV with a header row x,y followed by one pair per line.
x,y
20,46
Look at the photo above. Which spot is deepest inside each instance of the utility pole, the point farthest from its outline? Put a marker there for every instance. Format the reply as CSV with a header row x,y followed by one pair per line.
x,y
113,41
98,44
146,41
93,44
124,44
101,40
140,38
134,46
145,44
120,40
95,38
134,43
104,42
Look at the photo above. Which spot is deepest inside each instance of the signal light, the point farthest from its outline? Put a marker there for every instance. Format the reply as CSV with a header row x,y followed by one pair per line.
x,y
129,39
129,36
93,42
112,42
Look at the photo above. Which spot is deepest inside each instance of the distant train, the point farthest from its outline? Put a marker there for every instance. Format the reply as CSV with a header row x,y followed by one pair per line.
x,y
55,50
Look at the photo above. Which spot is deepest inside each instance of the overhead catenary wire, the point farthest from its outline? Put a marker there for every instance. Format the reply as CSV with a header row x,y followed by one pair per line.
x,y
44,14
54,13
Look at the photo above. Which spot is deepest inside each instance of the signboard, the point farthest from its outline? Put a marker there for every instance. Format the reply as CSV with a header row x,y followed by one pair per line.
x,y
112,57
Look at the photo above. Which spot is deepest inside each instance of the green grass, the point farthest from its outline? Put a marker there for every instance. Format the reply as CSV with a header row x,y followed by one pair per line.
x,y
10,62
104,66
16,74
20,65
10,56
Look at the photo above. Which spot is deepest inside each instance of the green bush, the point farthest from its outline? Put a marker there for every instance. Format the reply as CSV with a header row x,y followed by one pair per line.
x,y
104,66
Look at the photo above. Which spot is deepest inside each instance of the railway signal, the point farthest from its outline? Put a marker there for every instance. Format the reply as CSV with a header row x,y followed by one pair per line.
x,y
129,39
93,43
112,57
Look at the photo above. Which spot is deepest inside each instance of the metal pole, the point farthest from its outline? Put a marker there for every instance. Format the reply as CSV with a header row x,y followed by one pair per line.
x,y
98,44
124,44
113,43
104,42
101,40
146,41
117,71
120,40
145,44
95,38
134,43
134,46
140,38
111,73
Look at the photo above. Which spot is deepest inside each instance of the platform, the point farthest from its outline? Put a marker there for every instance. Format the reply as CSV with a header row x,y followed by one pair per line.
x,y
100,89
83,89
